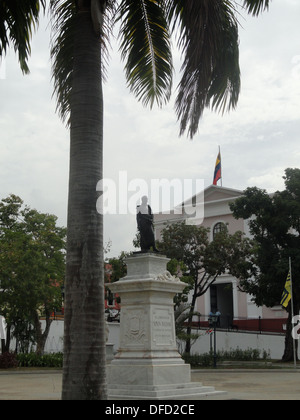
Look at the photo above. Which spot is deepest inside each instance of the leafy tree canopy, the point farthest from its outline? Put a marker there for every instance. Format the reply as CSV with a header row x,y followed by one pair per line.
x,y
32,263
205,260
274,222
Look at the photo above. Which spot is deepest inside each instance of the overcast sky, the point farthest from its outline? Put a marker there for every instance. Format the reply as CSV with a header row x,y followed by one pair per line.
x,y
259,140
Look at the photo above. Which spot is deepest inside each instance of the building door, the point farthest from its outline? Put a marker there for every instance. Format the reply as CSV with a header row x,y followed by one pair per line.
x,y
221,299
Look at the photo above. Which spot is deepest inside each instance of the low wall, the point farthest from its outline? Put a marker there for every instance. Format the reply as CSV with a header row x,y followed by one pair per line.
x,y
55,340
274,344
55,344
114,334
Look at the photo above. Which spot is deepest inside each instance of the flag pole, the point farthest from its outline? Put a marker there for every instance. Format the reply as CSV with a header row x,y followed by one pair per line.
x,y
292,309
221,167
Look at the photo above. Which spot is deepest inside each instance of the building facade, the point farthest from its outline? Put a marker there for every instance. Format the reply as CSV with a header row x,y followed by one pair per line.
x,y
236,307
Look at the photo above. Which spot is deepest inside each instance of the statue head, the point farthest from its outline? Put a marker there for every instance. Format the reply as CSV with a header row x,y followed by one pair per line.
x,y
144,199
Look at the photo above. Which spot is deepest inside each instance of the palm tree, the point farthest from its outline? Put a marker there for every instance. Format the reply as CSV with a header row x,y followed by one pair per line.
x,y
84,335
208,38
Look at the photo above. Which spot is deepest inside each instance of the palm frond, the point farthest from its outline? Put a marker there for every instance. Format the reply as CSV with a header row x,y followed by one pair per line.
x,y
210,71
18,19
224,89
63,13
146,50
109,18
255,7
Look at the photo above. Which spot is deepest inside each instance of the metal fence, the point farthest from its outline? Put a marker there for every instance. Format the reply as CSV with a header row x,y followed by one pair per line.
x,y
240,324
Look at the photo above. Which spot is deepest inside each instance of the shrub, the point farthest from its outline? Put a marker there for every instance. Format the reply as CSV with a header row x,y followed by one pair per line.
x,y
200,360
36,360
8,360
207,359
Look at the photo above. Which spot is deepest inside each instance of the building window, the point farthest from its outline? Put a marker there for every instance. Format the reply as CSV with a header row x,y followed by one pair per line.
x,y
218,228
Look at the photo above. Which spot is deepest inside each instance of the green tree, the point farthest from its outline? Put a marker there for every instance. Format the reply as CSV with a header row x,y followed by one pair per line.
x,y
208,39
179,269
274,221
205,260
118,267
32,268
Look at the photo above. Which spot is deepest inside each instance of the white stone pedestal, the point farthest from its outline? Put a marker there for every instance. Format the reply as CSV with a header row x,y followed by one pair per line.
x,y
148,365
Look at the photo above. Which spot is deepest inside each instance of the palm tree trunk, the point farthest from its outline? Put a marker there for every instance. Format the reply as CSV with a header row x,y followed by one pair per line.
x,y
84,371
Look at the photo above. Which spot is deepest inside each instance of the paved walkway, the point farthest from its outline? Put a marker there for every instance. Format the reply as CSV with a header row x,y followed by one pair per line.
x,y
256,384
260,384
30,385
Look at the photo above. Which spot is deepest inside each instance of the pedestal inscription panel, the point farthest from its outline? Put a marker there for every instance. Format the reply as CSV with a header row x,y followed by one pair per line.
x,y
163,327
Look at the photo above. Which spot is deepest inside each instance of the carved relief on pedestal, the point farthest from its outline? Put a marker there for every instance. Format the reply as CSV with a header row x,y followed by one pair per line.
x,y
134,328
167,276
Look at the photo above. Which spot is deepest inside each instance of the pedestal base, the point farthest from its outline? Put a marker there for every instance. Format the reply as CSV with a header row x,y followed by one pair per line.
x,y
149,372
154,380
148,365
163,392
109,352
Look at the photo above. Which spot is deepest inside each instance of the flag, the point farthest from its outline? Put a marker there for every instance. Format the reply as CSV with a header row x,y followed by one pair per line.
x,y
287,292
217,174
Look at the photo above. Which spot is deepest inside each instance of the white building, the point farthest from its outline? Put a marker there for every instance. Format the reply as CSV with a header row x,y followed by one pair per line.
x,y
236,307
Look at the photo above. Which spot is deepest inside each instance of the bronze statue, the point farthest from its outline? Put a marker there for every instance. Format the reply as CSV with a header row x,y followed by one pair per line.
x,y
144,218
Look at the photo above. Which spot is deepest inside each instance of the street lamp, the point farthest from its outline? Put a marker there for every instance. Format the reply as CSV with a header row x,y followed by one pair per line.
x,y
214,320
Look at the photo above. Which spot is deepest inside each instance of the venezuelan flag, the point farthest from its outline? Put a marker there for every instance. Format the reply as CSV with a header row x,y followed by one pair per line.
x,y
287,294
217,174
